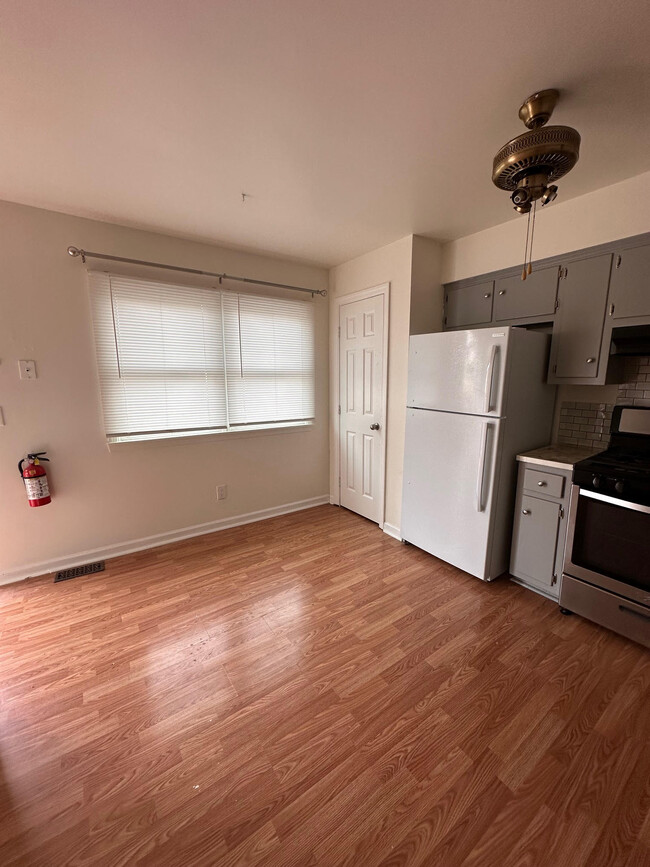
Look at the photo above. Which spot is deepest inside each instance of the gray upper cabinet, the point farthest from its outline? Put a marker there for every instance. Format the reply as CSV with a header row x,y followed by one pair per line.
x,y
469,305
515,298
577,350
629,293
586,296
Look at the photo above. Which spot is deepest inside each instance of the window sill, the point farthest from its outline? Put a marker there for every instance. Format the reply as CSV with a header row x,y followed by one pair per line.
x,y
119,443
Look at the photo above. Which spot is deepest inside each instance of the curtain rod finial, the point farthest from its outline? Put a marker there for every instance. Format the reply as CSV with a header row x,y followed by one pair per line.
x,y
75,251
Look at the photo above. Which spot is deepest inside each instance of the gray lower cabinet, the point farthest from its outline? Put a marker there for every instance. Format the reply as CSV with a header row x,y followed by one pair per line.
x,y
469,305
629,293
579,352
515,298
539,530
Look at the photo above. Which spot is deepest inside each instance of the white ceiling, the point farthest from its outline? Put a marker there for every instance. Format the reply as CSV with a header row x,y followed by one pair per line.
x,y
350,123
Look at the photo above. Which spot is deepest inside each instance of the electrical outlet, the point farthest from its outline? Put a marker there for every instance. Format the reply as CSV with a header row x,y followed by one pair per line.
x,y
27,369
222,492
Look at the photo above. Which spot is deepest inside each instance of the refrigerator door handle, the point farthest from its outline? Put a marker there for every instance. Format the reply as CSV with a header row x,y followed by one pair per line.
x,y
489,377
481,468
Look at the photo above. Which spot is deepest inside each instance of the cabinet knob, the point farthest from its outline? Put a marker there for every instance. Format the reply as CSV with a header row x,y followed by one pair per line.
x,y
502,291
525,512
487,295
590,360
374,426
542,484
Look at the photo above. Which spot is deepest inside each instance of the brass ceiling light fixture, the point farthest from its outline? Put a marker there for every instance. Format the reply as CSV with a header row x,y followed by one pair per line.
x,y
527,165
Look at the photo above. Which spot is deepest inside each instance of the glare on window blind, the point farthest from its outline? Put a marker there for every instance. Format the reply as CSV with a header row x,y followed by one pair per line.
x,y
176,359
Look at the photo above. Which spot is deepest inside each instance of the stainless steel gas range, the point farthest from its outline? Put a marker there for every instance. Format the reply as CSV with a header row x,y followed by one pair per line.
x,y
606,575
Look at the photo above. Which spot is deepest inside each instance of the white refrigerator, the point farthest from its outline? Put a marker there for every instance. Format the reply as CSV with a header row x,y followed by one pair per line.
x,y
475,400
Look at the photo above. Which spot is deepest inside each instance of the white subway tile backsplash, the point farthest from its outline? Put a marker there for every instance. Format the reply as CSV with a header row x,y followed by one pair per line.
x,y
587,424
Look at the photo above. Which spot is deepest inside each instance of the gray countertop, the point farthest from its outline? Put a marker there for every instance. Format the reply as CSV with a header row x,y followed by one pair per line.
x,y
558,455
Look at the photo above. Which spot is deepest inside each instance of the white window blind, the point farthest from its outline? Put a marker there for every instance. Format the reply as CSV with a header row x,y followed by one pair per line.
x,y
177,360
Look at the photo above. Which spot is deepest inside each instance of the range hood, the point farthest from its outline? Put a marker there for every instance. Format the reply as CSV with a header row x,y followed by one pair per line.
x,y
631,340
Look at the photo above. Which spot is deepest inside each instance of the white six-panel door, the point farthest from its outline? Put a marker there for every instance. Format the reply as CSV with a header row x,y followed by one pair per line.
x,y
361,394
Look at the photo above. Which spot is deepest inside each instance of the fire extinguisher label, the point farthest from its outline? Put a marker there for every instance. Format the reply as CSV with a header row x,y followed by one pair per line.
x,y
37,488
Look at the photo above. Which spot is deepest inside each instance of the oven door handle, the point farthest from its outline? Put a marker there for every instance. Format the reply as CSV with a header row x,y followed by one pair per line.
x,y
635,507
636,613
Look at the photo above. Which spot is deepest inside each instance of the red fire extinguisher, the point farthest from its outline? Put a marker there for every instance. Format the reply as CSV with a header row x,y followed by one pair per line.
x,y
35,478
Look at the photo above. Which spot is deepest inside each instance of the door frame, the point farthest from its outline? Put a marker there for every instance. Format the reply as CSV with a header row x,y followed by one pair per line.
x,y
382,289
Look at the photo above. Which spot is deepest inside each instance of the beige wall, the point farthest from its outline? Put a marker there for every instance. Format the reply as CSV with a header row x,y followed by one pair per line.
x,y
617,211
101,497
426,286
411,262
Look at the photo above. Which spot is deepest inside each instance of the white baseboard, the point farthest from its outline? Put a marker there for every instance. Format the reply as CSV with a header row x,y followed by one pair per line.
x,y
133,545
395,532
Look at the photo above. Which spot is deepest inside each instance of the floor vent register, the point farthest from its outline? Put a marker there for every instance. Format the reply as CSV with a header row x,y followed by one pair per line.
x,y
78,571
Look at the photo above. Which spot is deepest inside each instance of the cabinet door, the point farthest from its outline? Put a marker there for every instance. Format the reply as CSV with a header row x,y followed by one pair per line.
x,y
534,543
580,319
629,291
469,305
515,298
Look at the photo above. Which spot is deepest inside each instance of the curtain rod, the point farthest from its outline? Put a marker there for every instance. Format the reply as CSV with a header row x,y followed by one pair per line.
x,y
86,254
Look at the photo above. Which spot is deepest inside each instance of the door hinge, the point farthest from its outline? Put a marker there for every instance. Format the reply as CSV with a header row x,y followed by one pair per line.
x,y
339,409
563,272
619,259
339,330
611,309
561,511
555,368
445,322
557,303
554,581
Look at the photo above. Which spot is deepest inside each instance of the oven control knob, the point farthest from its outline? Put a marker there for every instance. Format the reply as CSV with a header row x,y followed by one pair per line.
x,y
595,481
619,486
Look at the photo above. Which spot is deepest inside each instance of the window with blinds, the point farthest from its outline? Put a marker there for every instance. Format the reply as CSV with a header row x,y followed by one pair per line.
x,y
180,360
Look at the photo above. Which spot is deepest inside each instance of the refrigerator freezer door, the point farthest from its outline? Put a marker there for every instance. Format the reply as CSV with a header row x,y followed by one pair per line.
x,y
449,483
459,371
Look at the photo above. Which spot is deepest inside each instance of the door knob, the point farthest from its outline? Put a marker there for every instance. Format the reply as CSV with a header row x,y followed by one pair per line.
x,y
374,426
590,360
502,291
487,295
525,512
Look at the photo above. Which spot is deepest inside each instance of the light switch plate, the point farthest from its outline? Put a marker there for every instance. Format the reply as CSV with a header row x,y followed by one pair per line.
x,y
27,369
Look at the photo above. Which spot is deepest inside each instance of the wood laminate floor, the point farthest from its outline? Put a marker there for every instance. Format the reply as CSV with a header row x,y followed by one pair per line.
x,y
307,691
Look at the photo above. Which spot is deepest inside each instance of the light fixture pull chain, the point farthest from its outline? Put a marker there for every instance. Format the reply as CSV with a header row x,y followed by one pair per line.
x,y
532,234
523,271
